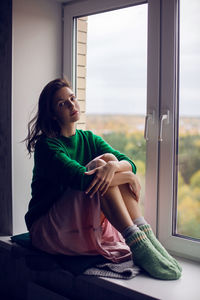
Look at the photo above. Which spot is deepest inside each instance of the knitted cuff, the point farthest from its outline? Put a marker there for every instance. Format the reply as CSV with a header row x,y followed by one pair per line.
x,y
136,239
146,228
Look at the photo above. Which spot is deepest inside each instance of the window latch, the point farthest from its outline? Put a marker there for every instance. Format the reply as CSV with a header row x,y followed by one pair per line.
x,y
163,117
149,117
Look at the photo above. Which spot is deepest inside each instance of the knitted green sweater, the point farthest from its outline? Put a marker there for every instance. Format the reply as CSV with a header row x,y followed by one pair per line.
x,y
59,163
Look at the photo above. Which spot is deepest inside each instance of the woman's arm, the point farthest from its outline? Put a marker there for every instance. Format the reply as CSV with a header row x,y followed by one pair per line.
x,y
53,164
109,175
130,178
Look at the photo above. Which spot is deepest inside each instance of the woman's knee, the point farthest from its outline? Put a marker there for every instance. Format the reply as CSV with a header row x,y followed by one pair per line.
x,y
108,157
95,163
99,162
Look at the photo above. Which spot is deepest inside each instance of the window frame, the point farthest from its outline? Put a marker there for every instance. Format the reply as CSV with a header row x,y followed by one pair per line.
x,y
168,163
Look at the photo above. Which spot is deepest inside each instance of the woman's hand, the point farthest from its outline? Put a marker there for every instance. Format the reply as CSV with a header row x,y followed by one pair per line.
x,y
103,178
135,186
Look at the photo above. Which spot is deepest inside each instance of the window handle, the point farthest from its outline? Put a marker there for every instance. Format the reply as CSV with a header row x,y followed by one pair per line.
x,y
149,117
163,117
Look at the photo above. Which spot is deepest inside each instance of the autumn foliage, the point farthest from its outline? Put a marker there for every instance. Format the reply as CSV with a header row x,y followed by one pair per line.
x,y
125,133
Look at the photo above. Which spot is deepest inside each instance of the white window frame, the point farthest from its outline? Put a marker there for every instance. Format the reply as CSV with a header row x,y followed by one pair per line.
x,y
161,97
185,247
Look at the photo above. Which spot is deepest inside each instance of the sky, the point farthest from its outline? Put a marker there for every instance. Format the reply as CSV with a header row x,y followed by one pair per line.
x,y
117,60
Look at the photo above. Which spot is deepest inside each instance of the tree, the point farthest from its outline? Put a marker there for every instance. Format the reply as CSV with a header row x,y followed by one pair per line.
x,y
189,155
195,180
136,146
117,140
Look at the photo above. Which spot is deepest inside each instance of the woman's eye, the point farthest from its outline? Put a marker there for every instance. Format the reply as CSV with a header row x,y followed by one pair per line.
x,y
61,104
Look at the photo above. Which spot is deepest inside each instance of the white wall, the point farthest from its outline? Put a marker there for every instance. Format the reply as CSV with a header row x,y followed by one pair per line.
x,y
36,60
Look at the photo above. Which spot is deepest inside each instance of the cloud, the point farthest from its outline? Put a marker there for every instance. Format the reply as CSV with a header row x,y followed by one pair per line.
x,y
117,61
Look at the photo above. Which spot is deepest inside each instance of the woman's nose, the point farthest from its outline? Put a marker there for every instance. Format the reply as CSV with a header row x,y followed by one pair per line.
x,y
72,104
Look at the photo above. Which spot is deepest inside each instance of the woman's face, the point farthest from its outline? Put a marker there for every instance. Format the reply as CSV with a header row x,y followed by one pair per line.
x,y
66,107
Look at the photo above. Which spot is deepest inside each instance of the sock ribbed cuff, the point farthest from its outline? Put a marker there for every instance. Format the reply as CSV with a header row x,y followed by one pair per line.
x,y
136,239
146,228
129,231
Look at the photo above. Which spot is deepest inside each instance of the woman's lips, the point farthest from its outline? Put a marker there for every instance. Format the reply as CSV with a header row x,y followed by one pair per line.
x,y
74,112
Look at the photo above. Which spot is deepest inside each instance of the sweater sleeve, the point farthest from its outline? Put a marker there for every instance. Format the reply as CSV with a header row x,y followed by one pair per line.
x,y
103,147
53,163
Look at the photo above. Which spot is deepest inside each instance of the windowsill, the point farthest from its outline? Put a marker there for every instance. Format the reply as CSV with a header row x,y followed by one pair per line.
x,y
187,287
140,287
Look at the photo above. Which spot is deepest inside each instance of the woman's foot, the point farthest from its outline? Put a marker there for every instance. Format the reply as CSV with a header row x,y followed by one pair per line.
x,y
149,233
147,257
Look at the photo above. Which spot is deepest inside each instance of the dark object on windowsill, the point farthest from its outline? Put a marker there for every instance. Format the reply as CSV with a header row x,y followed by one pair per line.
x,y
97,265
38,260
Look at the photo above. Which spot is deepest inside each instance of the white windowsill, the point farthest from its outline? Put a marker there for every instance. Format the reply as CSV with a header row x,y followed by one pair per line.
x,y
187,287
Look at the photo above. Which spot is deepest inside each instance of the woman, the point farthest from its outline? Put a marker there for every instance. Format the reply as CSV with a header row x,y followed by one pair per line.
x,y
84,193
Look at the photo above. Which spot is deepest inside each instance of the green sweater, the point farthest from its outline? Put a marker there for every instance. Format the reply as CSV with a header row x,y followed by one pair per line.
x,y
59,163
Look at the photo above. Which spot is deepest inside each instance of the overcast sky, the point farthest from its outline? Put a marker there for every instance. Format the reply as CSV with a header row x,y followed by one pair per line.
x,y
117,64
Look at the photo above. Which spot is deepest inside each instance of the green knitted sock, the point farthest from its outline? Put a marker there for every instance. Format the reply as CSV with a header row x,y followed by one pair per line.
x,y
149,233
148,258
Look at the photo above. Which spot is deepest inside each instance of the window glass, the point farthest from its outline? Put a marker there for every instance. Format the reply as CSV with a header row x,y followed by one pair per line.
x,y
188,204
111,77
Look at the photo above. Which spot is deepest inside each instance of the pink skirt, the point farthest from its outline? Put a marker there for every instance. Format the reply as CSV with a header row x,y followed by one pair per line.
x,y
73,226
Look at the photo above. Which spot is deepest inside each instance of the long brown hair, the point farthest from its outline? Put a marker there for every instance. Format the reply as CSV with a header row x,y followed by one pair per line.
x,y
43,122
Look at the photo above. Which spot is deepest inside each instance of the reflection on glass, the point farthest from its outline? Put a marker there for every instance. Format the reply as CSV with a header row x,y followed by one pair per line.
x,y
188,221
111,77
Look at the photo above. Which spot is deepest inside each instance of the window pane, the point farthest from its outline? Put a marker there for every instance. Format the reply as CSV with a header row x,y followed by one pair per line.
x,y
114,79
188,222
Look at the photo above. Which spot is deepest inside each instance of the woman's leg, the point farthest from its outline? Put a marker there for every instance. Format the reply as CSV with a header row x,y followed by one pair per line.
x,y
144,253
113,206
130,203
120,208
115,210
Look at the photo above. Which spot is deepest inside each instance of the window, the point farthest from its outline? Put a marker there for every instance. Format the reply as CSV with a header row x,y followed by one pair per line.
x,y
161,107
111,67
188,201
173,96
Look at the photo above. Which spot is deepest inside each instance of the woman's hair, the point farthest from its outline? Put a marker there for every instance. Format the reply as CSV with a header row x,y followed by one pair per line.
x,y
43,122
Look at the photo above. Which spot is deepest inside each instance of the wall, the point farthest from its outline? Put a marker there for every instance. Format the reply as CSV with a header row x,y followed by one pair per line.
x,y
81,68
37,59
5,116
